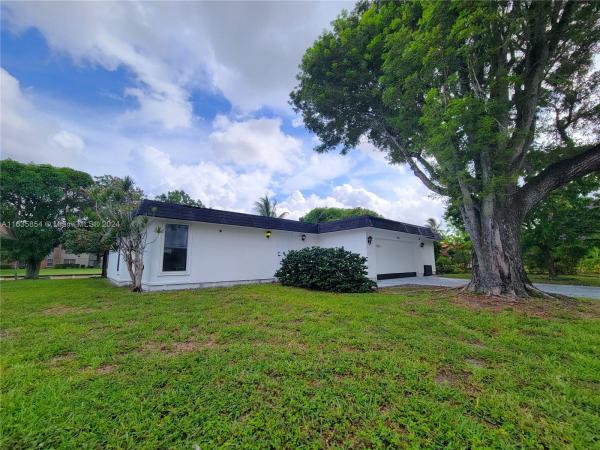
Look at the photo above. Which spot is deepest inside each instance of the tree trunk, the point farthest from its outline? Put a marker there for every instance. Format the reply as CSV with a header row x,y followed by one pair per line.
x,y
552,273
32,268
105,264
495,231
135,267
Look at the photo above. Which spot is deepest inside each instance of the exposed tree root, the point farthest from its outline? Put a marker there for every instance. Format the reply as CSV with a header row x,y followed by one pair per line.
x,y
530,290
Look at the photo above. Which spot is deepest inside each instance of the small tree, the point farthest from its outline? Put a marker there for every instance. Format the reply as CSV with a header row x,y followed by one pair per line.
x,y
90,235
36,203
180,197
267,207
317,215
436,228
117,201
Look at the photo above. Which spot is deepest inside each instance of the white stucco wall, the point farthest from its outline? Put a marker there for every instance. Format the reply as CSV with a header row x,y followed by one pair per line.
x,y
226,254
217,254
395,252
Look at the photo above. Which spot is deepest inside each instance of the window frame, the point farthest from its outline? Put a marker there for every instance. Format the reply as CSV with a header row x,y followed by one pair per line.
x,y
163,237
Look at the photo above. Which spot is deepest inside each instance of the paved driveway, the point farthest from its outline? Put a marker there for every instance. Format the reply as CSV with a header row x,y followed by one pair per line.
x,y
571,291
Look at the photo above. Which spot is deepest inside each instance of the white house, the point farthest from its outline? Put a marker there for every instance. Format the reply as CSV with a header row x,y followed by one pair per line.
x,y
201,247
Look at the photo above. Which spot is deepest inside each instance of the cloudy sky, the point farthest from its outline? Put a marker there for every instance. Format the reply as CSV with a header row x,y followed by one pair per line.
x,y
185,95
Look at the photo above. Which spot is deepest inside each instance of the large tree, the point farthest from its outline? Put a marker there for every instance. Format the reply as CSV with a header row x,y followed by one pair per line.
x,y
317,215
37,203
492,104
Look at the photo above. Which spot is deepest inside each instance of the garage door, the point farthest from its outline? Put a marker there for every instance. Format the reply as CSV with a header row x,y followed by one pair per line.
x,y
395,259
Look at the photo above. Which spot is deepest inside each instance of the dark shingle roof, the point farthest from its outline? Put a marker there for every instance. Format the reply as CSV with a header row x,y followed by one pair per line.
x,y
192,213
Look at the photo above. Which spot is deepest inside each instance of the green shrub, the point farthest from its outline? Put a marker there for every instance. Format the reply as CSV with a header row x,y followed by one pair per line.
x,y
325,269
445,264
67,266
591,262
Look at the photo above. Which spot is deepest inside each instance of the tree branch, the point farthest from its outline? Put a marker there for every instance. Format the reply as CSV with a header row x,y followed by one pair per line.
x,y
543,45
408,156
557,175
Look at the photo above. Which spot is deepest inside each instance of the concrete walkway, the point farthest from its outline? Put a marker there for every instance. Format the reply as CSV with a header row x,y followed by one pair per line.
x,y
563,289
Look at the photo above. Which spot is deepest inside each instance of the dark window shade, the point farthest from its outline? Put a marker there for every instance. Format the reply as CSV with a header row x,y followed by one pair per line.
x,y
175,253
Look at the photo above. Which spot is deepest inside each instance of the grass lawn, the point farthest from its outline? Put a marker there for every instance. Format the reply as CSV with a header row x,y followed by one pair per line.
x,y
88,365
580,280
51,271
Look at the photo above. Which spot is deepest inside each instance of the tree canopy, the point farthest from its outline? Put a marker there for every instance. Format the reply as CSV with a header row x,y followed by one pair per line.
x,y
38,202
317,215
560,231
181,197
492,104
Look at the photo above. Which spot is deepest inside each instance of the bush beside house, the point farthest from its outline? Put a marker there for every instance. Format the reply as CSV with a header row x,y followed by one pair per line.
x,y
325,269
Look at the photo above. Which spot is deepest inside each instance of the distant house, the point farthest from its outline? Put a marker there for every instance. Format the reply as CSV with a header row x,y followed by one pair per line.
x,y
200,247
59,256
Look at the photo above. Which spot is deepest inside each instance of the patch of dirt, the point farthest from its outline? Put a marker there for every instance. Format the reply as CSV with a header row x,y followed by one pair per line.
x,y
106,369
545,308
445,377
298,347
61,310
178,348
7,334
477,344
184,347
395,426
61,359
458,380
385,409
475,362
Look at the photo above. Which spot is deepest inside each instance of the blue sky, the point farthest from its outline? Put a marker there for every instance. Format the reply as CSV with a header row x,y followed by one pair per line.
x,y
189,96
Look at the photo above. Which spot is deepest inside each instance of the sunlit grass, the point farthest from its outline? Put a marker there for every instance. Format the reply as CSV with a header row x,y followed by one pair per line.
x,y
88,365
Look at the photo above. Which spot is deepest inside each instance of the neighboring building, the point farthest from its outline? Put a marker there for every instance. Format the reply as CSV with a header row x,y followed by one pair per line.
x,y
60,256
199,247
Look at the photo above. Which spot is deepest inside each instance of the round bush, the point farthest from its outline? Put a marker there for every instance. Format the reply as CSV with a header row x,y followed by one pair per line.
x,y
325,269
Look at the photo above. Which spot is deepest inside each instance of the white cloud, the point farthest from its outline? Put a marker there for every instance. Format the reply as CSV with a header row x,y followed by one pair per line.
x,y
408,203
317,169
217,186
247,50
255,142
154,107
29,135
68,141
112,35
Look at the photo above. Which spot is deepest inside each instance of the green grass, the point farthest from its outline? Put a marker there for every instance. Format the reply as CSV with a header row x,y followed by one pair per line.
x,y
87,365
576,280
52,271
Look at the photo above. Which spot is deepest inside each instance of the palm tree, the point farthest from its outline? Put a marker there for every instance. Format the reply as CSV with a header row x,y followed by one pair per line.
x,y
434,225
267,207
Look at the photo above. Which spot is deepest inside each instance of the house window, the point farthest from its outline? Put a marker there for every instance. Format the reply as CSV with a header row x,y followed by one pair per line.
x,y
175,254
49,262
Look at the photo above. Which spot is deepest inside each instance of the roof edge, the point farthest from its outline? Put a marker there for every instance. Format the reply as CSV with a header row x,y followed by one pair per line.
x,y
219,216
